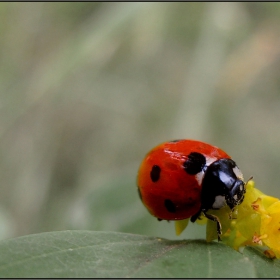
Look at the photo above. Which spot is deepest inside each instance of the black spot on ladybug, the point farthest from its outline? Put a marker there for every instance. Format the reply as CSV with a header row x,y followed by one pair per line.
x,y
175,141
195,163
139,193
155,173
169,205
159,219
190,200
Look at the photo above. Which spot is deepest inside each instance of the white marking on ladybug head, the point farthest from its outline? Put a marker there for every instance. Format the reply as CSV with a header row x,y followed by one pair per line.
x,y
210,160
199,176
238,173
219,202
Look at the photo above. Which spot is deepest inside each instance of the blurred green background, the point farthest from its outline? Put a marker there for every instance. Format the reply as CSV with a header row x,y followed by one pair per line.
x,y
87,89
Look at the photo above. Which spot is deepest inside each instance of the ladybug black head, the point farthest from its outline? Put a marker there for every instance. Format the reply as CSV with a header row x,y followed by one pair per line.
x,y
222,184
236,194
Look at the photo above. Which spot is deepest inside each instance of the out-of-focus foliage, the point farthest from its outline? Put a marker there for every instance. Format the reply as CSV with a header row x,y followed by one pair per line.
x,y
86,89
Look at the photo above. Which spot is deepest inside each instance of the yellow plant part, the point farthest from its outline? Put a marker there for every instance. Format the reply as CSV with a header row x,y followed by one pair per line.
x,y
255,222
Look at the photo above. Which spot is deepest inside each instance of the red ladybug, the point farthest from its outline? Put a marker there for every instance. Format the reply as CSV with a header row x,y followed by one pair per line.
x,y
185,178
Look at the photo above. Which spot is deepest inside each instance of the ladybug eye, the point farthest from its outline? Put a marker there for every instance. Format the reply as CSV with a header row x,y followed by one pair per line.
x,y
237,192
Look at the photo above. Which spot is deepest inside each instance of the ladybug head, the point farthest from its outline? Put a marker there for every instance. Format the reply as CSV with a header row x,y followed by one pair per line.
x,y
222,184
236,194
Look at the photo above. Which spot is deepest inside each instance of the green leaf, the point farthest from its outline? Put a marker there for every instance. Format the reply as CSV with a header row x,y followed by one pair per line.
x,y
111,254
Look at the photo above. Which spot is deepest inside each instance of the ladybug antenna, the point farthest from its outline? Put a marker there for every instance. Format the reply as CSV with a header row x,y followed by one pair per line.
x,y
251,178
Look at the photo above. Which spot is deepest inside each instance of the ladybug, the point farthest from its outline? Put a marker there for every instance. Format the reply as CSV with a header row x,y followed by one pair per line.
x,y
183,179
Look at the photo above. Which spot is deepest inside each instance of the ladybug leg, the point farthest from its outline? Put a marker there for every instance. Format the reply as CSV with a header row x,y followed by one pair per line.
x,y
215,219
231,213
195,216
